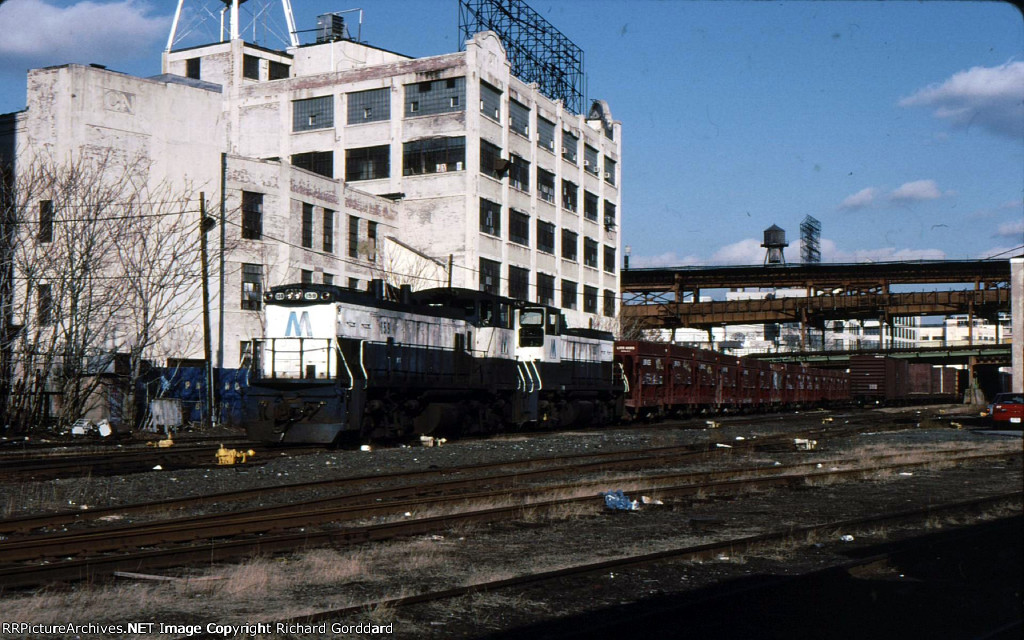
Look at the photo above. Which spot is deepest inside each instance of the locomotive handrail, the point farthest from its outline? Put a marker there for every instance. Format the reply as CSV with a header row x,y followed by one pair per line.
x,y
362,364
625,379
540,383
348,371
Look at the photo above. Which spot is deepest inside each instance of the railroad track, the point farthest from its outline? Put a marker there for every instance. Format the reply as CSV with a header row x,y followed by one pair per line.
x,y
733,599
228,527
568,464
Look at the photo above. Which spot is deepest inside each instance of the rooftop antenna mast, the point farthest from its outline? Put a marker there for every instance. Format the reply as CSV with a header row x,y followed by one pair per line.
x,y
810,240
234,26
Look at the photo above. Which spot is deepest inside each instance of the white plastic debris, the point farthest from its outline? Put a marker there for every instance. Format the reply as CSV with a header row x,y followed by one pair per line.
x,y
804,444
104,428
723,446
846,538
713,424
649,500
906,473
158,468
776,464
740,438
818,466
365,447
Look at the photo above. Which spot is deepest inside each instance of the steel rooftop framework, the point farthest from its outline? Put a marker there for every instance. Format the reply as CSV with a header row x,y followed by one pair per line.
x,y
537,51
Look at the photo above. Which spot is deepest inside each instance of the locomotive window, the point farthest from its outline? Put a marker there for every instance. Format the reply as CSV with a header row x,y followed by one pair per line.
x,y
553,324
531,318
486,313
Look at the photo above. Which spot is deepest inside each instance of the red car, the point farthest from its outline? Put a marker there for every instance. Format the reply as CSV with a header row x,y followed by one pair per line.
x,y
1008,408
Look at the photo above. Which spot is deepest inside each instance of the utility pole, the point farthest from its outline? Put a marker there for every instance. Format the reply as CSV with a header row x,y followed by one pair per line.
x,y
205,224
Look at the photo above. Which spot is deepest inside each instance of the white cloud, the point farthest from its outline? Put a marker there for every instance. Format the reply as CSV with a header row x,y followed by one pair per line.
x,y
667,259
990,97
830,252
38,32
916,191
861,199
747,251
1011,230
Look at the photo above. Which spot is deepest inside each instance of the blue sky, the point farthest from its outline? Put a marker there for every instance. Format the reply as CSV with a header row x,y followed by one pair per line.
x,y
898,125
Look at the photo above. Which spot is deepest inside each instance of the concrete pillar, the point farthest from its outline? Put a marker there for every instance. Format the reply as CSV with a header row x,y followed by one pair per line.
x,y
1017,321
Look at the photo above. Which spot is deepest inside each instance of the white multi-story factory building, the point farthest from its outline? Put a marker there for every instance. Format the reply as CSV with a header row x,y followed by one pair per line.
x,y
327,152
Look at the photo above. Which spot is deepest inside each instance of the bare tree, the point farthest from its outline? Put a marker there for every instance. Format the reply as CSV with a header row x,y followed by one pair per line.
x,y
399,264
100,263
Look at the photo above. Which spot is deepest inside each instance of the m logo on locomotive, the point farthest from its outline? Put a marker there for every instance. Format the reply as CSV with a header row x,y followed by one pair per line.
x,y
300,325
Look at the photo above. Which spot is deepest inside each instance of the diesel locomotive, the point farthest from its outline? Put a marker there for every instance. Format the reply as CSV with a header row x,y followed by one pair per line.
x,y
335,362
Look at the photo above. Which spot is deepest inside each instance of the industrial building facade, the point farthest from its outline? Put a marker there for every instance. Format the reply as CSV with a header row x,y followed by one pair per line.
x,y
331,155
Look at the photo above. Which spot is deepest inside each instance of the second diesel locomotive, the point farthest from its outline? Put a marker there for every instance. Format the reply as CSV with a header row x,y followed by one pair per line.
x,y
335,362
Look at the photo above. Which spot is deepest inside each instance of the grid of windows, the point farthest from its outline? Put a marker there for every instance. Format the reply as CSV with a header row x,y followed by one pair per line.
x,y
369,106
519,227
609,215
277,70
570,244
590,205
570,147
435,96
321,162
546,185
518,118
313,113
490,102
590,159
491,163
609,303
518,283
546,289
307,225
609,259
589,299
568,294
519,173
252,286
367,163
490,276
490,217
609,170
44,304
328,231
250,67
353,237
545,237
546,134
570,195
252,215
45,233
590,252
434,155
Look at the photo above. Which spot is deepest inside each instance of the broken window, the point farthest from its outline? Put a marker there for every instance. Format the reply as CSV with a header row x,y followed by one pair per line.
x,y
546,289
519,173
367,163
252,215
570,147
433,155
519,118
313,113
490,102
590,253
546,185
490,276
436,96
490,217
545,135
590,206
369,106
519,227
570,195
491,162
319,162
252,286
